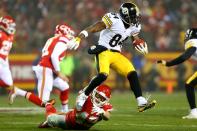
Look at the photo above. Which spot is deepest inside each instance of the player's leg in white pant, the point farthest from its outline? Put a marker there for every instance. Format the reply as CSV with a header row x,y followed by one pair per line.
x,y
45,82
55,120
64,88
5,75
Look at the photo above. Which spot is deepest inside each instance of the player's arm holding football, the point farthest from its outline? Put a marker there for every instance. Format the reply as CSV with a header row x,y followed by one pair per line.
x,y
138,43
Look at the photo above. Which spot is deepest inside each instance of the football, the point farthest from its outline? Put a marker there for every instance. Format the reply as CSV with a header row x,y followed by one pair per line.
x,y
138,42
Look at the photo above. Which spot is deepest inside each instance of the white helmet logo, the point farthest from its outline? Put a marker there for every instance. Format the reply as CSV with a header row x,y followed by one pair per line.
x,y
125,11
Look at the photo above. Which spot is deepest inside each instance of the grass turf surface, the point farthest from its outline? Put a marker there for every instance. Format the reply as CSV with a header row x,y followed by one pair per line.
x,y
166,116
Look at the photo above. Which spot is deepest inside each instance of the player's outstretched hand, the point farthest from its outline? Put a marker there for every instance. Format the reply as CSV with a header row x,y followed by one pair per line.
x,y
163,62
74,43
97,110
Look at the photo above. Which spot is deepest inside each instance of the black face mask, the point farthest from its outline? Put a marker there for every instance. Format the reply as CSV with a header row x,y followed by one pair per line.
x,y
191,34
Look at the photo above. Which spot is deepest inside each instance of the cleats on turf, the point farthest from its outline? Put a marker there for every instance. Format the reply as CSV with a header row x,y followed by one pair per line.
x,y
146,106
190,116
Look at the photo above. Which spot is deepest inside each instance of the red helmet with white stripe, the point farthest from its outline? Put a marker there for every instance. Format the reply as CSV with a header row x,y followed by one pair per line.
x,y
7,23
64,29
101,95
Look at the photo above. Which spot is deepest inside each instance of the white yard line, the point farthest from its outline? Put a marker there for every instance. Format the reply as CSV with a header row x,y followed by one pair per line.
x,y
22,110
114,124
150,125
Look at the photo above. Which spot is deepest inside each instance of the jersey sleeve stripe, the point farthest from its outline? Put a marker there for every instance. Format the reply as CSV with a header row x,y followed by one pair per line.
x,y
194,76
107,21
188,45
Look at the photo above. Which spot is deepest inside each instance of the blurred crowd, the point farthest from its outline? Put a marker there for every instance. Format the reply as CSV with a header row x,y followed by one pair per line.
x,y
163,23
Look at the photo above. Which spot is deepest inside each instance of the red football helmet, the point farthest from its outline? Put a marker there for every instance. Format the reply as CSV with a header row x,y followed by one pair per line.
x,y
101,95
64,29
7,23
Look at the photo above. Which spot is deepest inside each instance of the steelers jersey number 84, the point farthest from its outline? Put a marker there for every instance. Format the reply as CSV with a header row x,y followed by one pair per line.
x,y
115,40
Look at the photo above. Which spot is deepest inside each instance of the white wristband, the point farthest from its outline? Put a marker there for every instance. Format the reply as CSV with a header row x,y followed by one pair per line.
x,y
84,32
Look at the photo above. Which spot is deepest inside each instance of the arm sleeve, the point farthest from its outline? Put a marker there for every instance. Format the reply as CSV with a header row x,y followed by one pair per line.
x,y
183,57
57,51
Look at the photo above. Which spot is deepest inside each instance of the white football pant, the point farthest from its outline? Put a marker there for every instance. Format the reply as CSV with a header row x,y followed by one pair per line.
x,y
5,73
46,82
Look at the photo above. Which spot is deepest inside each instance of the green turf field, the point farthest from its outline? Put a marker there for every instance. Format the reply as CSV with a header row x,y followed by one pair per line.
x,y
166,116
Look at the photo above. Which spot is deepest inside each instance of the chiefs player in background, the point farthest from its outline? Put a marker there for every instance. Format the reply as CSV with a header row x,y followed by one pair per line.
x,y
95,109
48,70
115,29
7,31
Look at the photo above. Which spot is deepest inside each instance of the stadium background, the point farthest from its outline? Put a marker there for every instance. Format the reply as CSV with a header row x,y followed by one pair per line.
x,y
163,25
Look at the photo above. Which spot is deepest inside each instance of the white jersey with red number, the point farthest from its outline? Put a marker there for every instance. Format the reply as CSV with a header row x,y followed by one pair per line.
x,y
87,117
54,51
115,33
5,44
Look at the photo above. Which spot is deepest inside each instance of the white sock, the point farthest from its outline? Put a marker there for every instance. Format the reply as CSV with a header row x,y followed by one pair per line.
x,y
65,108
141,101
20,92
